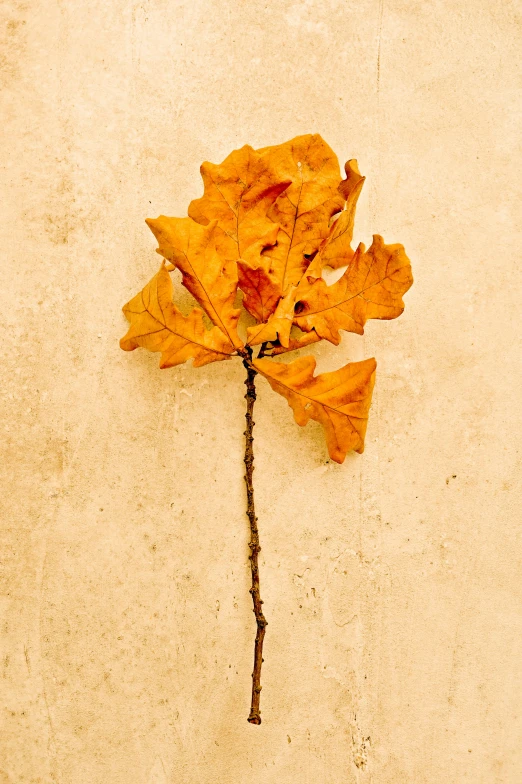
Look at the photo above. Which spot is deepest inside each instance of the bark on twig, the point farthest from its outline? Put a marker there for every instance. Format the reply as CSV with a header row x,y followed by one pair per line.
x,y
254,717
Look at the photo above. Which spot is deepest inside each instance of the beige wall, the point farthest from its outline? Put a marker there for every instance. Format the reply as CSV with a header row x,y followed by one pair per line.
x,y
392,582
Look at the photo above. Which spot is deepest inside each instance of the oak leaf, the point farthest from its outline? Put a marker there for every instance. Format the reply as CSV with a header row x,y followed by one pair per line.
x,y
278,325
339,401
371,287
238,194
350,188
257,280
210,277
158,325
336,250
304,209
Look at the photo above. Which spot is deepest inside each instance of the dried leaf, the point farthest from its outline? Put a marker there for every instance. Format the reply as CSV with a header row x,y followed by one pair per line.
x,y
339,401
350,188
337,251
256,280
238,193
304,209
158,325
209,277
279,324
268,223
371,287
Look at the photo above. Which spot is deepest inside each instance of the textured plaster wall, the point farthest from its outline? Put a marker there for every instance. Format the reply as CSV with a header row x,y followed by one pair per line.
x,y
391,583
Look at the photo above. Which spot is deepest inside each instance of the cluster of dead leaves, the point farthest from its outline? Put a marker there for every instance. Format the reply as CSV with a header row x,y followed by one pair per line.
x,y
268,223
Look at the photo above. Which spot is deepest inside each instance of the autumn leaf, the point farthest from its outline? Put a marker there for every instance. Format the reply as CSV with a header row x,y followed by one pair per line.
x,y
350,188
238,194
209,277
261,278
371,287
158,325
256,279
278,325
337,250
339,401
303,210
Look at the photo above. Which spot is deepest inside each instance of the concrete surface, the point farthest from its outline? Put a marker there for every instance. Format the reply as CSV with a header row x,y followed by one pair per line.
x,y
392,582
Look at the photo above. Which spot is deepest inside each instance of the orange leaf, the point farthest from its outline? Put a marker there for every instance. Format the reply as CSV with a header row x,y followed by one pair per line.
x,y
336,250
157,324
371,287
304,209
279,324
238,193
256,280
350,188
211,279
339,401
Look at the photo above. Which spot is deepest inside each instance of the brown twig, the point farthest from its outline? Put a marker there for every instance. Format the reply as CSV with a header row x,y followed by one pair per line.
x,y
254,717
264,347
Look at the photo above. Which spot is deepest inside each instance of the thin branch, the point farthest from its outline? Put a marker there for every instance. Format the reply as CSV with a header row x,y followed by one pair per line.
x,y
254,717
264,347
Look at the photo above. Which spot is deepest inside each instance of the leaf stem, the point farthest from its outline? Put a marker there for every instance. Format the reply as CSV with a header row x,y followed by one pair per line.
x,y
254,717
262,350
